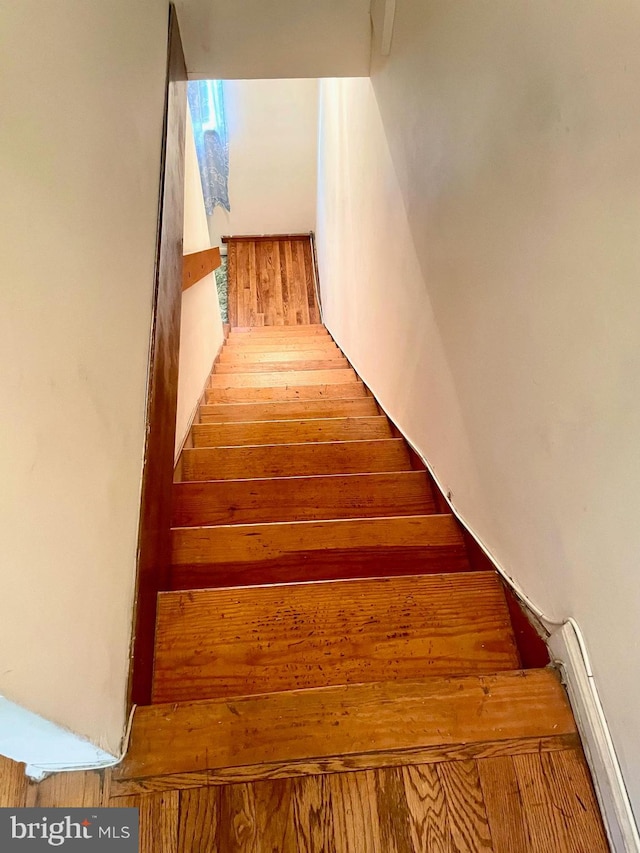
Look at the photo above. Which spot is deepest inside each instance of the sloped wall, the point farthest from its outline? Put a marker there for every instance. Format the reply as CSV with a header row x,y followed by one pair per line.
x,y
479,259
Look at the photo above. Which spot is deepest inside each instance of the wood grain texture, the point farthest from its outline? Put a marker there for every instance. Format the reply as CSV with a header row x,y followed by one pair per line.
x,y
313,815
337,363
559,803
295,460
162,393
427,809
275,815
277,347
467,817
159,815
73,790
238,642
503,805
288,409
13,784
533,649
198,264
283,378
232,276
278,733
231,555
271,282
276,354
300,332
310,273
442,807
346,763
356,822
199,820
268,268
290,431
301,498
238,829
247,394
393,812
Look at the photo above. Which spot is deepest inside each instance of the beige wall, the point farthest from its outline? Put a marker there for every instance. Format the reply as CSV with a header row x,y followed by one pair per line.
x,y
251,39
82,90
201,333
478,232
273,150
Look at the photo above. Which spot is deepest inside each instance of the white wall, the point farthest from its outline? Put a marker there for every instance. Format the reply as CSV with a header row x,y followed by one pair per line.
x,y
273,151
82,92
479,259
201,332
251,39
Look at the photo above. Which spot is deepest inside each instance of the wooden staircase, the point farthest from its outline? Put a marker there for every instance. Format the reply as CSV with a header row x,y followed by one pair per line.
x,y
323,613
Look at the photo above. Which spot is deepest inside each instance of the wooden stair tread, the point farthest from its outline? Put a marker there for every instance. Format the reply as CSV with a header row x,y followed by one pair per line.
x,y
265,366
250,640
285,552
278,410
284,350
290,431
348,727
286,378
302,498
290,460
276,355
284,330
294,392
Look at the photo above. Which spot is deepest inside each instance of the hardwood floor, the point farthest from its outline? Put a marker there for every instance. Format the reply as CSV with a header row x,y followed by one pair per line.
x,y
337,666
271,282
529,803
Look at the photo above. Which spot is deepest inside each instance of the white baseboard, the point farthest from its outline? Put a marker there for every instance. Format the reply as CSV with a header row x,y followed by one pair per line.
x,y
568,650
44,747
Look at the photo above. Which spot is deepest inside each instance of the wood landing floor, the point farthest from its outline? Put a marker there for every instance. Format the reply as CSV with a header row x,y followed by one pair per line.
x,y
271,281
540,802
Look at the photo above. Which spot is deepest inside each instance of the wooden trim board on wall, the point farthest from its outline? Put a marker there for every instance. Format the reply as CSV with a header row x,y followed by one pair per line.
x,y
154,538
198,264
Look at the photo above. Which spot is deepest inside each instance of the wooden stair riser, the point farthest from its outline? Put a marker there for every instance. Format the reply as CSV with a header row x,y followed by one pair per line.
x,y
291,460
296,392
229,413
290,431
238,555
302,499
285,378
319,566
347,728
236,642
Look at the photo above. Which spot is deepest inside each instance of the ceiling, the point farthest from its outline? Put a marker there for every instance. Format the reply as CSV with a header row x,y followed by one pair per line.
x,y
240,39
